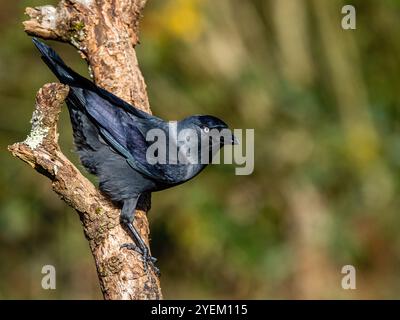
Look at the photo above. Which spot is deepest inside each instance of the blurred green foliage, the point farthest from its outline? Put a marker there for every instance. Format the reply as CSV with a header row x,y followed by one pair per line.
x,y
325,106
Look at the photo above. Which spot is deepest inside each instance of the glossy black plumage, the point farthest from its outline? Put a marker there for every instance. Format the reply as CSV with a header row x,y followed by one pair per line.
x,y
110,138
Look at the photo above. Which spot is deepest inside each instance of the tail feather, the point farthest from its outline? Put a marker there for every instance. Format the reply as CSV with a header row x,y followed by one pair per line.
x,y
65,74
85,132
47,52
80,86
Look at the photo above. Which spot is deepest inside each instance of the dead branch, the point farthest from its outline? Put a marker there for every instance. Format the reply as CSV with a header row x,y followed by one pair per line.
x,y
106,33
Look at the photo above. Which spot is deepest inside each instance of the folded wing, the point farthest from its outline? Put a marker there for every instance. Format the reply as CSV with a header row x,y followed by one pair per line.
x,y
120,124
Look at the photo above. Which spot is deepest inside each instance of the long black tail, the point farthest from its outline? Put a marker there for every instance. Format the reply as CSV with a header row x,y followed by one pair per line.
x,y
86,134
79,85
64,73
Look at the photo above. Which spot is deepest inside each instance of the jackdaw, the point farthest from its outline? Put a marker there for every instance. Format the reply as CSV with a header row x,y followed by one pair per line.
x,y
110,136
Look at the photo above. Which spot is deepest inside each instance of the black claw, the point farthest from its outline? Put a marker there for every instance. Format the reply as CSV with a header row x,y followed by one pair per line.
x,y
132,246
157,271
146,258
149,260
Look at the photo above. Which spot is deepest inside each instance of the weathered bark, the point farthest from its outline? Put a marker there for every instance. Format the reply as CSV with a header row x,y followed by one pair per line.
x,y
105,32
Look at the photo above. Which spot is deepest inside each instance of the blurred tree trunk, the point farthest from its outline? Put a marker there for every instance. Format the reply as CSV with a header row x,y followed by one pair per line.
x,y
105,32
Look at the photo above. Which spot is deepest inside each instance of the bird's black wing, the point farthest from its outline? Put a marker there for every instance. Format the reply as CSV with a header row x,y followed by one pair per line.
x,y
126,134
120,124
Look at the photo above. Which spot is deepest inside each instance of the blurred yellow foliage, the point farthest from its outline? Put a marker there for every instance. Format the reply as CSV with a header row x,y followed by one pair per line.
x,y
363,146
178,18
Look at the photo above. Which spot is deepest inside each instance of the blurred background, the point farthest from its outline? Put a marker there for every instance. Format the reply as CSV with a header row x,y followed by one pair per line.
x,y
325,106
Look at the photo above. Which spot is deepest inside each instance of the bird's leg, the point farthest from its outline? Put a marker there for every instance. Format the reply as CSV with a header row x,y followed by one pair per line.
x,y
127,218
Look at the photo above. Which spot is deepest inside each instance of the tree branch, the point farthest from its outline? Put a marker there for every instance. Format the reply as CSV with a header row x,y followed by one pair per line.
x,y
105,31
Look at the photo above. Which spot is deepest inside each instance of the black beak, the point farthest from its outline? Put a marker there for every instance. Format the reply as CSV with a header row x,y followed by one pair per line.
x,y
235,140
228,138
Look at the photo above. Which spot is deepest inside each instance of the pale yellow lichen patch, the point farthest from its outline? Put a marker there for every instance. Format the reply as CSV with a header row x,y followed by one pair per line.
x,y
38,132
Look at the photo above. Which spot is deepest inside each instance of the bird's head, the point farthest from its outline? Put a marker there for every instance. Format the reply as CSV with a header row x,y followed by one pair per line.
x,y
211,131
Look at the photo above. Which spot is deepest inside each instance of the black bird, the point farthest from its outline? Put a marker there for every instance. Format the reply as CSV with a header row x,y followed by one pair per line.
x,y
110,138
